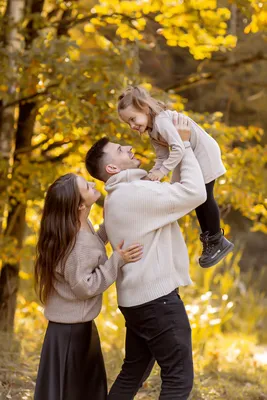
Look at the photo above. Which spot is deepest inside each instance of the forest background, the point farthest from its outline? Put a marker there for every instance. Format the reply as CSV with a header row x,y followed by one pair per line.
x,y
63,64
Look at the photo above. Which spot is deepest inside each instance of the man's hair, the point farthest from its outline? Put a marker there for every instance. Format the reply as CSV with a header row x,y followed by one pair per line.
x,y
94,158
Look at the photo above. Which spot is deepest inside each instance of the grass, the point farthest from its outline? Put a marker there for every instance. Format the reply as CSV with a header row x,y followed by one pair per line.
x,y
229,369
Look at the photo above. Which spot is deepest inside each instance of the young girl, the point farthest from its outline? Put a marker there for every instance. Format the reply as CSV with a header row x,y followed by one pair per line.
x,y
71,272
144,113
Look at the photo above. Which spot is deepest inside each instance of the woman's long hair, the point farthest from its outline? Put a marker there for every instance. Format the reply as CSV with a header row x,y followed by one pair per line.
x,y
59,227
139,98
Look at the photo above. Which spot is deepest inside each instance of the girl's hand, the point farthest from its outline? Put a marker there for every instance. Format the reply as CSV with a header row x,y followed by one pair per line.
x,y
155,175
181,123
132,254
145,178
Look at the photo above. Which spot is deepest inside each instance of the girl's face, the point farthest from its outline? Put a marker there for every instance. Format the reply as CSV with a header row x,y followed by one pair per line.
x,y
88,192
136,119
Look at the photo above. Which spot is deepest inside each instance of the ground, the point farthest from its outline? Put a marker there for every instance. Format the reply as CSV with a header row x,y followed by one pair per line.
x,y
233,368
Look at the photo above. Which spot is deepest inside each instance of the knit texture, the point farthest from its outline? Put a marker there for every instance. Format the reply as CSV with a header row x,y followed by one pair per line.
x,y
77,290
169,148
146,212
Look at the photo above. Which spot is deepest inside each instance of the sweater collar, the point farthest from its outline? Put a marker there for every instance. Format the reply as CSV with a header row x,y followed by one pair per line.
x,y
126,176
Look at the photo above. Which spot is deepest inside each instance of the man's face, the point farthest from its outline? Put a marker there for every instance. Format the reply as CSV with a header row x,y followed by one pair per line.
x,y
120,157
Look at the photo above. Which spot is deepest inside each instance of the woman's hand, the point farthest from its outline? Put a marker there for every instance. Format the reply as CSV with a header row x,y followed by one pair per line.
x,y
181,123
132,254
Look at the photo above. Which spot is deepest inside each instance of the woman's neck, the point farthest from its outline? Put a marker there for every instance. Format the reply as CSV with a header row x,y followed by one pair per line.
x,y
84,215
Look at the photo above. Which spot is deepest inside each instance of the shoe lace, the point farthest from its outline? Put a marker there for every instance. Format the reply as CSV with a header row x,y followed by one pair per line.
x,y
207,245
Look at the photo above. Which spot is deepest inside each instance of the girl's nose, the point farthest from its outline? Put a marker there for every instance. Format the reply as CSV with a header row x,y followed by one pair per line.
x,y
92,184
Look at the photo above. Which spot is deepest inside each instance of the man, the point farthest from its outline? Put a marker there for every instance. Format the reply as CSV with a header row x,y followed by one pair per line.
x,y
146,212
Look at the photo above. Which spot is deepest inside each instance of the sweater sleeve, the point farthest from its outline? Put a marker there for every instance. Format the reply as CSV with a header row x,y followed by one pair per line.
x,y
169,202
85,277
101,233
169,133
162,154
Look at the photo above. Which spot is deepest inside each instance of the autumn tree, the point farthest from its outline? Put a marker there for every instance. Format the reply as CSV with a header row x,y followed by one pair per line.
x,y
63,65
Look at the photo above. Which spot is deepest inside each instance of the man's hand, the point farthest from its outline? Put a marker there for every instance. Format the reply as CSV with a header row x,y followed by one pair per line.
x,y
181,123
155,175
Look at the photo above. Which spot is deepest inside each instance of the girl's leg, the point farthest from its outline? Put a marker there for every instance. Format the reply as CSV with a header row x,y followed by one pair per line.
x,y
215,245
208,213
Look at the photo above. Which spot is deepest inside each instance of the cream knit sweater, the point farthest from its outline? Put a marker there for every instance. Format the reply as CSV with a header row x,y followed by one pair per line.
x,y
169,148
146,212
77,291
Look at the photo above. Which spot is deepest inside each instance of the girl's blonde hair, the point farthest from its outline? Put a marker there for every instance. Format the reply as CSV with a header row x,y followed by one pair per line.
x,y
139,98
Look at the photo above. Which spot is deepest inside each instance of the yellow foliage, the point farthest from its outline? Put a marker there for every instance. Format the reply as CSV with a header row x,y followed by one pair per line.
x,y
24,275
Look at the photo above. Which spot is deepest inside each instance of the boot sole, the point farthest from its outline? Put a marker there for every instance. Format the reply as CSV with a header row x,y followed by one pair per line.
x,y
216,260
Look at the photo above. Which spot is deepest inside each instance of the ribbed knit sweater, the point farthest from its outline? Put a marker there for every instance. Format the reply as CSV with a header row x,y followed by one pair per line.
x,y
77,290
146,212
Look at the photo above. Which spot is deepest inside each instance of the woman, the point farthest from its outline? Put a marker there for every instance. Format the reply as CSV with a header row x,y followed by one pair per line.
x,y
71,273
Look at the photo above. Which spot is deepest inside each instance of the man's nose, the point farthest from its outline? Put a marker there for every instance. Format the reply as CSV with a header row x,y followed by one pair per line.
x,y
128,148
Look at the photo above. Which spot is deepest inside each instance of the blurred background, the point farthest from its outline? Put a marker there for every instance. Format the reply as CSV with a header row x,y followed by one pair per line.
x,y
62,66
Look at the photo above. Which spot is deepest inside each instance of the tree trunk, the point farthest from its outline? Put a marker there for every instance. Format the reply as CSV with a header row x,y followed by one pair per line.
x,y
13,43
9,278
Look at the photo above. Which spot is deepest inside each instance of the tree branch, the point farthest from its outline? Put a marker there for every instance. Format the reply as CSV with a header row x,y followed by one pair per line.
x,y
30,148
55,145
194,80
54,159
30,97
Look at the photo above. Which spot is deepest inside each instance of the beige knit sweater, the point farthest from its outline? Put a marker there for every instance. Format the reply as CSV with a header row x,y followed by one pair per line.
x,y
77,291
146,212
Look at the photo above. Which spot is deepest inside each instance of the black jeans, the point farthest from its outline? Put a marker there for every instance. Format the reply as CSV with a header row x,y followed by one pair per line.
x,y
158,330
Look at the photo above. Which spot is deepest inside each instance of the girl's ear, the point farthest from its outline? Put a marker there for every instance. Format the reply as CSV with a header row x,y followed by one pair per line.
x,y
147,110
81,207
112,169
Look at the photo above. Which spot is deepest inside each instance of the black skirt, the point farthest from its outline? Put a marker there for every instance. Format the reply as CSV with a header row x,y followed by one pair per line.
x,y
71,365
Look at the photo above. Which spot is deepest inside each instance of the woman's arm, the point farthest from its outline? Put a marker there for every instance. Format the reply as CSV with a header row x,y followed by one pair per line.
x,y
101,233
86,277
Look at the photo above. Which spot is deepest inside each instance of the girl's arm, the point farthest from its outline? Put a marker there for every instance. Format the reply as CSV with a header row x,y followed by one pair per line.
x,y
162,154
169,133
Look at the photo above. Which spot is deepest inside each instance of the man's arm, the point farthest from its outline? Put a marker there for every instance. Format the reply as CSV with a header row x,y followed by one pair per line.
x,y
166,202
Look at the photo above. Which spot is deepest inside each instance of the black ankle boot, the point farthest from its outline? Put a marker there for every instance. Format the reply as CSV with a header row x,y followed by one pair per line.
x,y
215,248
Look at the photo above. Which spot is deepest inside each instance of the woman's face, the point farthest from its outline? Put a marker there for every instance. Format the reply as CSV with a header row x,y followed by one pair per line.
x,y
87,191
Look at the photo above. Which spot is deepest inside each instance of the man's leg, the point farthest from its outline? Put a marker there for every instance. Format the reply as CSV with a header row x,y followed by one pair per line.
x,y
136,368
170,344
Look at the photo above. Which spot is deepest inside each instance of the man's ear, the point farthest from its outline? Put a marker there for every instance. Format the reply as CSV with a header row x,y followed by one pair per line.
x,y
112,169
